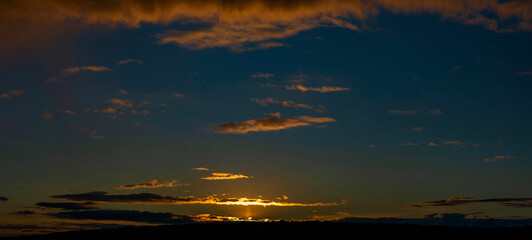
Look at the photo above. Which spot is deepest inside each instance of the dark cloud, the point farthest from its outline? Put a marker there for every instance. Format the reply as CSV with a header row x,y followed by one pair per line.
x,y
150,198
101,196
124,215
67,205
26,212
512,202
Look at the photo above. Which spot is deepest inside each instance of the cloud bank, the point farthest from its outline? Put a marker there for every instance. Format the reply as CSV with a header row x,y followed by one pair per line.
x,y
241,25
151,198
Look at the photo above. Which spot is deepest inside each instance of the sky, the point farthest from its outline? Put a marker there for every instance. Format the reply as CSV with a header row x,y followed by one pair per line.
x,y
120,113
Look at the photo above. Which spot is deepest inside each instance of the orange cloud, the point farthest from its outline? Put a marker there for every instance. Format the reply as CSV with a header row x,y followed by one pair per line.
x,y
201,169
123,91
224,176
178,95
69,112
323,89
498,158
73,70
240,25
12,93
94,135
417,129
121,103
152,184
270,122
46,115
129,60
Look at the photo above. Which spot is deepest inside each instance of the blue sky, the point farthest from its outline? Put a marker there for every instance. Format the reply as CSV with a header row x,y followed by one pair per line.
x,y
348,113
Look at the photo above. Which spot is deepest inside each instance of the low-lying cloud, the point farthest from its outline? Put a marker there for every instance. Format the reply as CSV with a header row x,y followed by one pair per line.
x,y
151,198
455,201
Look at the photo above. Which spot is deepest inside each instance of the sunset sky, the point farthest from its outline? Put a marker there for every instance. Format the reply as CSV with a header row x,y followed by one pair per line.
x,y
135,112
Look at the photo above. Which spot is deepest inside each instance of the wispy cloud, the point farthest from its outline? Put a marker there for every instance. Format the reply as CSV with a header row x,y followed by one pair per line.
x,y
435,111
73,70
129,60
498,158
457,143
46,115
201,169
11,93
152,184
524,73
403,112
119,106
120,103
224,176
178,95
263,75
288,104
417,129
270,122
69,112
412,144
67,205
322,89
94,135
123,91
506,201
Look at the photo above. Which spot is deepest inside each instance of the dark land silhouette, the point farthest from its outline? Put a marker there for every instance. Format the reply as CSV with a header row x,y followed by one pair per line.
x,y
283,229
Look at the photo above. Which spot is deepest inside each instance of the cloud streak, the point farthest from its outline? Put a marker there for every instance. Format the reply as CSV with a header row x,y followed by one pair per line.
x,y
224,176
322,89
67,205
129,60
73,70
270,122
150,198
152,184
455,201
498,158
287,104
435,111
